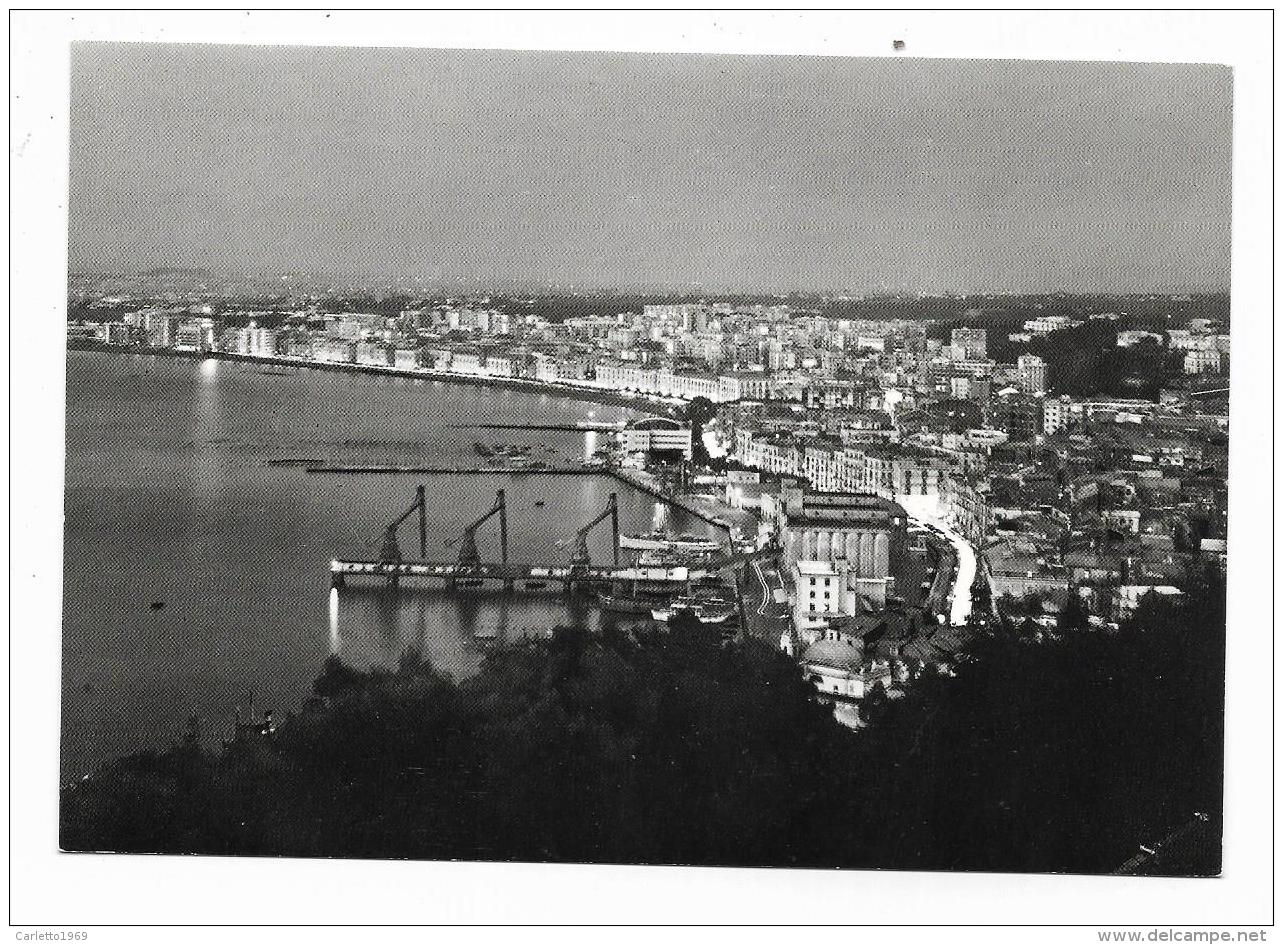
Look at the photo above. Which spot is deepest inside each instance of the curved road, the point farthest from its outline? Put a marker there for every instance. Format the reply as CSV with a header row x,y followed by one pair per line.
x,y
925,510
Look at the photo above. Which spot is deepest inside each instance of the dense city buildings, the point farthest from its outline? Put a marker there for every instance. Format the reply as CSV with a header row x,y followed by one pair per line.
x,y
969,344
900,468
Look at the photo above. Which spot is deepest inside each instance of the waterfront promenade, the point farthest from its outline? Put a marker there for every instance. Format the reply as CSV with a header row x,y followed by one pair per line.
x,y
710,511
574,390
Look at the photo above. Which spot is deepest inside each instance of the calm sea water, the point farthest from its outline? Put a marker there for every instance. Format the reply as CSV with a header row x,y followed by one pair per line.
x,y
197,574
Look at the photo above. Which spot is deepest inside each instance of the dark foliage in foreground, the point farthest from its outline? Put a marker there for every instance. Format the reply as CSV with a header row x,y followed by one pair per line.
x,y
1060,755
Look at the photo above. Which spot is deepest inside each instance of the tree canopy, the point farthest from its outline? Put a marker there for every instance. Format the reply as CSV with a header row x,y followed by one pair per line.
x,y
674,748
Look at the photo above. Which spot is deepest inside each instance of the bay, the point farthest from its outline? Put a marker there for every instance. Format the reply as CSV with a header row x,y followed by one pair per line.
x,y
196,574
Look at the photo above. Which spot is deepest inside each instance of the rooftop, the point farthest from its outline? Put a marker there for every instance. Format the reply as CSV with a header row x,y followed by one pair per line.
x,y
816,568
846,656
655,423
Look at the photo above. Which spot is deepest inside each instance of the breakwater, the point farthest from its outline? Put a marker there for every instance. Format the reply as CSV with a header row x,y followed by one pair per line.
x,y
452,470
568,427
640,482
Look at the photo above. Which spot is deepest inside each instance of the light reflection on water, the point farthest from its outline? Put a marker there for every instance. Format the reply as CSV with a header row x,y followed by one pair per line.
x,y
375,625
208,429
334,621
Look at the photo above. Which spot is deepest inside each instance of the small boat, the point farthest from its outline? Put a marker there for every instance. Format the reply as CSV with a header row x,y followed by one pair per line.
x,y
509,449
660,559
715,614
676,606
625,605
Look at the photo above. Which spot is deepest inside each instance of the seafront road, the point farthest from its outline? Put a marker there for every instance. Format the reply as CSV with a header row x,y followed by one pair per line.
x,y
925,511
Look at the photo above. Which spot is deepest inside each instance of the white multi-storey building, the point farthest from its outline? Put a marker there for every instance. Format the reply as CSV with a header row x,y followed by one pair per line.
x,y
1057,414
656,435
256,341
1202,360
1031,374
970,344
1049,323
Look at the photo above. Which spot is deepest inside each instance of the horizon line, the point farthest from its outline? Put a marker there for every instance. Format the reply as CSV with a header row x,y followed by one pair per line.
x,y
509,284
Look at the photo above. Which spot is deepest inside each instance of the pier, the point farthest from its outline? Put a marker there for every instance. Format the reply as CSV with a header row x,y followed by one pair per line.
x,y
644,484
629,478
585,426
452,574
452,470
470,570
575,573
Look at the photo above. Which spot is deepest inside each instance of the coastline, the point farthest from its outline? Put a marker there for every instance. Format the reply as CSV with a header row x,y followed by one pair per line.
x,y
529,385
573,392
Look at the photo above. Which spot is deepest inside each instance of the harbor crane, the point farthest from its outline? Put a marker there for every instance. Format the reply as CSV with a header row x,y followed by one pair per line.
x,y
468,553
580,540
469,571
391,551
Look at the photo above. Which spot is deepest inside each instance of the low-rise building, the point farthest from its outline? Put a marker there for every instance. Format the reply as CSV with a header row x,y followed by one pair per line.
x,y
835,667
1127,597
1049,323
333,351
656,435
1127,339
372,353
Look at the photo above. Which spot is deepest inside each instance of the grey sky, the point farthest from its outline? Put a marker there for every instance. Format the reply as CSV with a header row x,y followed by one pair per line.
x,y
760,173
